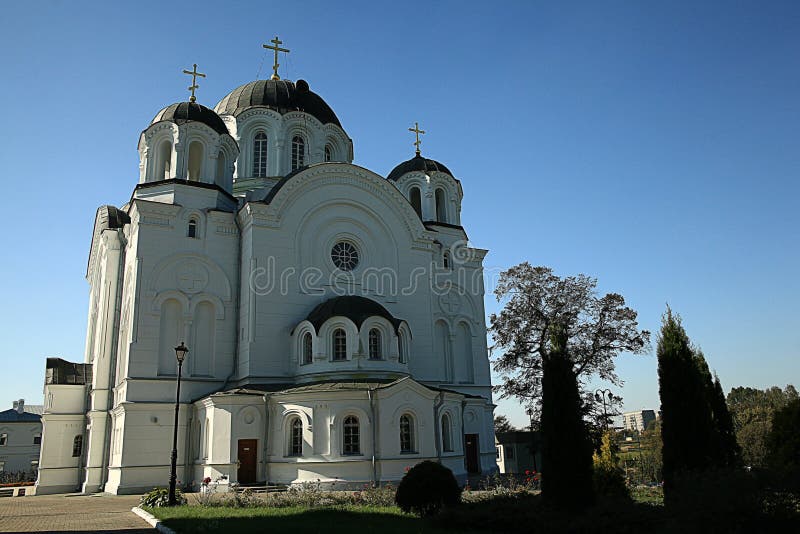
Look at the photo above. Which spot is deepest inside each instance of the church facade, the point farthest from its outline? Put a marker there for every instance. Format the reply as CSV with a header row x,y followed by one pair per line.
x,y
334,317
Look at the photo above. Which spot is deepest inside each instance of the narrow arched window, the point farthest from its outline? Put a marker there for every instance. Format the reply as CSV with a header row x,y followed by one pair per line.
x,y
416,200
406,433
446,260
339,345
260,155
441,212
295,437
222,165
164,161
375,352
328,153
447,442
307,348
298,152
401,348
351,439
192,228
77,446
195,165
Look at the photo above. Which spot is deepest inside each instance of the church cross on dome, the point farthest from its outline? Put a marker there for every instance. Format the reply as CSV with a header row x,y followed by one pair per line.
x,y
276,48
194,85
417,131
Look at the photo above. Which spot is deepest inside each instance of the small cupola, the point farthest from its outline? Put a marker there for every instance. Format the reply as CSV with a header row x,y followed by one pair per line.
x,y
188,141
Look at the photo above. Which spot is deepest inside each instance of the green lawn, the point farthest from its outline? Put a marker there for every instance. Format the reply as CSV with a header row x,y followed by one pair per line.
x,y
349,519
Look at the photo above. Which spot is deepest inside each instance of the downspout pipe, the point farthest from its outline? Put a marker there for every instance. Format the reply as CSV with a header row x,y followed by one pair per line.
x,y
437,428
373,414
265,452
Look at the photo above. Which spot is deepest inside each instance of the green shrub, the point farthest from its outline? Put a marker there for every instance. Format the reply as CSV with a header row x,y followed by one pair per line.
x,y
426,488
609,479
160,497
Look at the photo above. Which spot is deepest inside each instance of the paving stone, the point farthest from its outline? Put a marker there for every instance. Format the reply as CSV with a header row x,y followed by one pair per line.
x,y
72,513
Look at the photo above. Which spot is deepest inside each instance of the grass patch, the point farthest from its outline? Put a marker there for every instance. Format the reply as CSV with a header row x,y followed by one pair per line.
x,y
349,519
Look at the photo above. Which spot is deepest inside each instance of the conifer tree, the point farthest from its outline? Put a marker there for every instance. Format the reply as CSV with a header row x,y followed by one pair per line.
x,y
566,451
727,448
685,411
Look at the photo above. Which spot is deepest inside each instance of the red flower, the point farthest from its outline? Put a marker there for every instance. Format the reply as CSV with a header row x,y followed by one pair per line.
x,y
527,472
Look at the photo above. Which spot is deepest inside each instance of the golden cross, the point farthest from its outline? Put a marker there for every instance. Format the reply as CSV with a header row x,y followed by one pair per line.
x,y
194,85
417,131
275,48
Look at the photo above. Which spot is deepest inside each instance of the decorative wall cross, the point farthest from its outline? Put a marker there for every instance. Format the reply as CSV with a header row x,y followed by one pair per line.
x,y
276,48
417,131
194,85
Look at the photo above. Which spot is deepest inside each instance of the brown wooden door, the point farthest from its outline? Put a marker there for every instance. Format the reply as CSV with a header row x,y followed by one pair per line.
x,y
248,455
471,442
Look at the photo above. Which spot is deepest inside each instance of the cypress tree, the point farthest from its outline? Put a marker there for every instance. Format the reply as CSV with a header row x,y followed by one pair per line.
x,y
566,448
685,411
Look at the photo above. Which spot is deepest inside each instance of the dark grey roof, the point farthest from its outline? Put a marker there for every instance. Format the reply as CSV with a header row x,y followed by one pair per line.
x,y
282,96
13,416
357,309
184,112
418,163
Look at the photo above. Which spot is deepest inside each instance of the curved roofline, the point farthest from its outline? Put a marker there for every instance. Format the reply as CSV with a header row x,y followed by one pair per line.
x,y
418,164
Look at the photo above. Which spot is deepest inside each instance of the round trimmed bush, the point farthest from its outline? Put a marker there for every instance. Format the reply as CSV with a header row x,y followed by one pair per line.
x,y
426,488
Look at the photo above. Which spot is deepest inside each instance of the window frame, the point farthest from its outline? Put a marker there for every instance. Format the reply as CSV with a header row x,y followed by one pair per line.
x,y
351,436
295,435
260,154
298,152
375,344
193,228
77,446
307,349
339,345
447,433
407,437
37,438
4,439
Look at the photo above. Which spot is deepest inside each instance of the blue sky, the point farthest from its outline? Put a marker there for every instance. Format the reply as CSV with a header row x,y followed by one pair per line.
x,y
652,145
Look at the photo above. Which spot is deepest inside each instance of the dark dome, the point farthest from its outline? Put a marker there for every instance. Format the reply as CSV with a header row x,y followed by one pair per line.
x,y
282,96
357,309
183,112
418,163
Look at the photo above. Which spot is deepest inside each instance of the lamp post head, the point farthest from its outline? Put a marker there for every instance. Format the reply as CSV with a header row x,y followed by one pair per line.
x,y
180,352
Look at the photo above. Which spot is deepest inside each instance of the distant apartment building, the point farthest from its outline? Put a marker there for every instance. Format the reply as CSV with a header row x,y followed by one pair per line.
x,y
20,438
638,421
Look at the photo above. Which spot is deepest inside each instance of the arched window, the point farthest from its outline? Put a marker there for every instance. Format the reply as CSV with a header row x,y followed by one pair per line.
x,y
351,440
406,433
163,161
298,152
192,228
195,160
401,348
339,345
295,437
37,438
446,260
328,153
375,352
307,348
77,445
447,442
260,155
441,213
206,431
416,200
221,167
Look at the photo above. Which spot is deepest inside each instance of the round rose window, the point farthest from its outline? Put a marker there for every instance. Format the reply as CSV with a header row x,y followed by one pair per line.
x,y
344,256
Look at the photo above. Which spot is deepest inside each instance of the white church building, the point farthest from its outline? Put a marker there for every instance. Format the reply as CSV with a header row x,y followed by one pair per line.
x,y
334,317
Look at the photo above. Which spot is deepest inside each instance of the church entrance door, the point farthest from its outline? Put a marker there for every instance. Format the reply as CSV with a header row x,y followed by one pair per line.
x,y
471,441
248,454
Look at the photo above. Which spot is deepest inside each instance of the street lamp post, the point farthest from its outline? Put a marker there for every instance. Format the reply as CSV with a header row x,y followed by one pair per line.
x,y
180,354
601,395
530,411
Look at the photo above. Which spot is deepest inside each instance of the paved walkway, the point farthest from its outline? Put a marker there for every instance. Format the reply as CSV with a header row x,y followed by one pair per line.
x,y
72,513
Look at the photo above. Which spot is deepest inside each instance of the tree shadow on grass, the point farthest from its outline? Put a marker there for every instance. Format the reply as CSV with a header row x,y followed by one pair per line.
x,y
326,521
